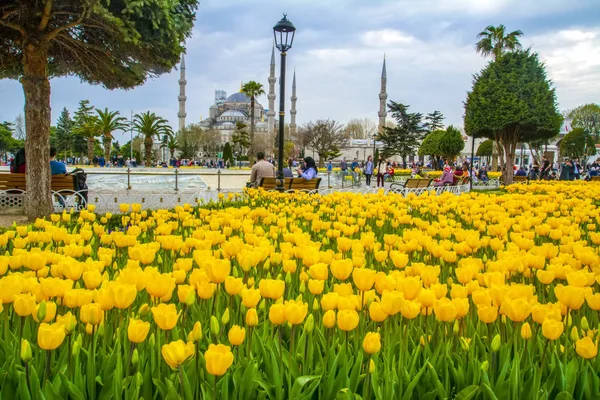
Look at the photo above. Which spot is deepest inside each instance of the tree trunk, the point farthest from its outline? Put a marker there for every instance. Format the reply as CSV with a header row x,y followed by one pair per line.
x,y
90,146
36,87
148,149
509,154
173,153
107,146
252,150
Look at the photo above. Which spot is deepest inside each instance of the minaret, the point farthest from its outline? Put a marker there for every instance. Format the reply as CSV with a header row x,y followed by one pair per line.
x,y
293,110
181,114
382,98
271,97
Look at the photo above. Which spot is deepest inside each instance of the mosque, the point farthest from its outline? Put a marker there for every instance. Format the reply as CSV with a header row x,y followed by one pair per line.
x,y
228,110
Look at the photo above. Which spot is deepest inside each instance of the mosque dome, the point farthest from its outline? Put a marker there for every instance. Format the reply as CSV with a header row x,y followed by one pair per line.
x,y
233,113
238,97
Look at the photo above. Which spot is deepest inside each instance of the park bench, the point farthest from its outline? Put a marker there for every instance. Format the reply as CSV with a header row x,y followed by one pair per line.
x,y
291,183
520,179
302,184
595,178
15,185
269,183
411,183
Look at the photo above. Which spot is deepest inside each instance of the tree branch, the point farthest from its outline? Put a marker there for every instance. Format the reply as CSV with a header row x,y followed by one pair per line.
x,y
52,34
47,15
16,27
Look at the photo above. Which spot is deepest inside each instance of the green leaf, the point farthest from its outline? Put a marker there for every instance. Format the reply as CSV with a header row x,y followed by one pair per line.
x,y
22,388
572,375
564,395
515,378
468,393
439,387
488,393
299,384
73,390
415,381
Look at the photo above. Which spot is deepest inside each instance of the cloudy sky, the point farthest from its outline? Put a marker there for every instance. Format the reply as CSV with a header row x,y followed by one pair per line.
x,y
338,52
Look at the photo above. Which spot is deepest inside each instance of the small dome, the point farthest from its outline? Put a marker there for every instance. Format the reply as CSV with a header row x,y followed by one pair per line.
x,y
238,97
214,107
233,113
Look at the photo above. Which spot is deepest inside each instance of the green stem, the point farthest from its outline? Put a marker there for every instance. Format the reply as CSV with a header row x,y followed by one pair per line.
x,y
47,369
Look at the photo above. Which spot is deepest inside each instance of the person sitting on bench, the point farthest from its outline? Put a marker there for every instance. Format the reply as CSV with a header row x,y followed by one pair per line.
x,y
310,169
262,169
56,167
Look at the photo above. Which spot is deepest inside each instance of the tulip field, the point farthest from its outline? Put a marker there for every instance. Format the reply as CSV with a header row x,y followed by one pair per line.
x,y
305,296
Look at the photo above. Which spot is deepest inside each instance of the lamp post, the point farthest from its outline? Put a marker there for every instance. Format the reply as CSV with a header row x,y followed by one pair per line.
x,y
471,166
374,138
284,38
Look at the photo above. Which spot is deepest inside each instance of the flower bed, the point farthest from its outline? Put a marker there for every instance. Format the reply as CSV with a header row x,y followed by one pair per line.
x,y
307,296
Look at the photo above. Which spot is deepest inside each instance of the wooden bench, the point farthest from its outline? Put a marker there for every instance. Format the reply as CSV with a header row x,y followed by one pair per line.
x,y
520,179
290,183
595,178
18,181
305,184
269,183
411,183
16,184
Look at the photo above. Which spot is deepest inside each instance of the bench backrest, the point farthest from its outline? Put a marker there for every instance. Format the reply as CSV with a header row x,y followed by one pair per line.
x,y
424,183
270,183
595,178
304,184
519,179
18,181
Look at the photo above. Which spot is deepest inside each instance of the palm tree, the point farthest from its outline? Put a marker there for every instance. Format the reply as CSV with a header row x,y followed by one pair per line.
x,y
252,89
108,122
494,41
170,142
88,128
150,125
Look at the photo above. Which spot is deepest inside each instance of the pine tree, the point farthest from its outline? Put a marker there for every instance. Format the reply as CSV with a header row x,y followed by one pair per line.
x,y
404,138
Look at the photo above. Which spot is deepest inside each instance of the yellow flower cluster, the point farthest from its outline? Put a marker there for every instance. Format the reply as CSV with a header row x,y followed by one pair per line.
x,y
527,259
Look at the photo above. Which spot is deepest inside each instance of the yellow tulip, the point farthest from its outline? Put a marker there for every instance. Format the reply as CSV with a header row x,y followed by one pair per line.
x,y
364,278
175,353
251,317
487,314
124,295
48,314
271,288
315,286
137,331
372,342
277,314
91,314
329,319
218,270
250,297
319,271
571,297
586,348
236,335
526,331
233,285
410,309
552,329
341,269
165,316
49,337
295,311
218,359
444,310
391,302
347,320
376,312
24,304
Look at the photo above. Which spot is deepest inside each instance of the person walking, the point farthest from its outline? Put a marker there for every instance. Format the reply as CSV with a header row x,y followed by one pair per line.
x,y
380,171
369,170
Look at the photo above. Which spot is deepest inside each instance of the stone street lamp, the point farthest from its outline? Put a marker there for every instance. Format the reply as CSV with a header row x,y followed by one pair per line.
x,y
284,38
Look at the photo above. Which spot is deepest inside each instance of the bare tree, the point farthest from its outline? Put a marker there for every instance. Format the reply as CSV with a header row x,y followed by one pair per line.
x,y
326,138
361,128
19,131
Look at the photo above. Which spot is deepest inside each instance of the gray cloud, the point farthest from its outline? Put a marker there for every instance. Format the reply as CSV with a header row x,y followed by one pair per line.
x,y
338,50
